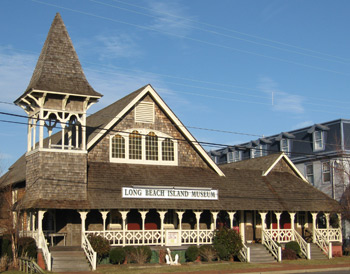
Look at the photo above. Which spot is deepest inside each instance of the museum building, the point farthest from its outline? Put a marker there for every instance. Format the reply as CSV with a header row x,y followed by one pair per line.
x,y
134,174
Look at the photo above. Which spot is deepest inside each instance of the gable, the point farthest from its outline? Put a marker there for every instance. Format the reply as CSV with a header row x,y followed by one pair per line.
x,y
188,153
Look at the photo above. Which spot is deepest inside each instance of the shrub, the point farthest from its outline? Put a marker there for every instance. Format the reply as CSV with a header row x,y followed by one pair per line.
x,y
222,252
192,253
207,253
289,254
229,239
100,246
129,253
27,247
117,255
6,248
142,254
293,245
4,263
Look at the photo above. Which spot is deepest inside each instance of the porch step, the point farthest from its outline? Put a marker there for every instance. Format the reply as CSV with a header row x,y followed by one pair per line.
x,y
69,259
259,254
316,252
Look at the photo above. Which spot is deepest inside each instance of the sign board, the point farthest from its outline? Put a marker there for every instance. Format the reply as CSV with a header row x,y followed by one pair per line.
x,y
172,238
140,192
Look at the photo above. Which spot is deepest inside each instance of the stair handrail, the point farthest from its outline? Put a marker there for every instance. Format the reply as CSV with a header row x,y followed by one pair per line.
x,y
272,246
304,246
323,243
89,252
45,250
29,266
244,254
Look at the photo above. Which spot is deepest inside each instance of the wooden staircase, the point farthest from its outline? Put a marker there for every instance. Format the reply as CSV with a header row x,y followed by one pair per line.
x,y
259,254
316,252
69,259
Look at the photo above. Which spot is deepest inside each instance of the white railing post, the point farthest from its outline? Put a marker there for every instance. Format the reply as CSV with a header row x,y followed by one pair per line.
x,y
89,252
330,250
248,254
308,251
280,254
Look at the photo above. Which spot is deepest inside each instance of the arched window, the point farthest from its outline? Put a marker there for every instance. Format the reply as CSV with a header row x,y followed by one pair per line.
x,y
167,150
118,147
152,146
135,145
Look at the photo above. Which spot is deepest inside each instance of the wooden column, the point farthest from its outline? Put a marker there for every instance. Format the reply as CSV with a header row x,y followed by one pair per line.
x,y
198,216
231,214
263,224
83,215
278,217
314,217
104,217
213,223
162,215
124,215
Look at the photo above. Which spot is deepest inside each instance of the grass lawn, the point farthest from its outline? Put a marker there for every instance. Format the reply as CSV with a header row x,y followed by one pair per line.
x,y
155,268
217,266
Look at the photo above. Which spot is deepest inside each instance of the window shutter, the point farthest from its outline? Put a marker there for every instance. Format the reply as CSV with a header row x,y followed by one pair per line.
x,y
144,112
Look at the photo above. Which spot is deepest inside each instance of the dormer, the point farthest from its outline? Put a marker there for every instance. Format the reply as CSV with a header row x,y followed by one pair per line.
x,y
319,136
285,144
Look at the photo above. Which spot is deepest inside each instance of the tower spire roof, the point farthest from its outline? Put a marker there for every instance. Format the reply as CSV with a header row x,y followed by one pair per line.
x,y
58,68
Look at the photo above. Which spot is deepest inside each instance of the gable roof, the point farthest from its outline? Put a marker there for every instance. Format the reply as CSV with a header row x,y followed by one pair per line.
x,y
265,164
58,68
102,121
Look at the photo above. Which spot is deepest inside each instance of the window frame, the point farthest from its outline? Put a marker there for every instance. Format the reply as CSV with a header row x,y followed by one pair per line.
x,y
287,145
315,140
327,172
143,133
307,175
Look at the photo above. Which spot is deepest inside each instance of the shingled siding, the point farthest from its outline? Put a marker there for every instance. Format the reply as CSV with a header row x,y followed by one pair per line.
x,y
56,176
187,156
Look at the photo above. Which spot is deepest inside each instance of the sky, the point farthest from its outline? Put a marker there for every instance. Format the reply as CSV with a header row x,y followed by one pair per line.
x,y
231,70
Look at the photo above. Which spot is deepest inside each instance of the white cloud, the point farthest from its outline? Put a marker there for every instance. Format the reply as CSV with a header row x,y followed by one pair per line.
x,y
169,17
282,101
303,124
15,72
118,46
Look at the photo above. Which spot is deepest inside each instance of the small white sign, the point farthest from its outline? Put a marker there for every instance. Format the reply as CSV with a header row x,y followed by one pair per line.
x,y
169,193
172,238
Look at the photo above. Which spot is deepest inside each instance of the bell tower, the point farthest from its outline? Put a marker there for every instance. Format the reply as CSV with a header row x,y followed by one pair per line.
x,y
56,101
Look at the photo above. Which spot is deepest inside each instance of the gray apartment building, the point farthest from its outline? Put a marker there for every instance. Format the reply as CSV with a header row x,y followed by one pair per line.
x,y
321,152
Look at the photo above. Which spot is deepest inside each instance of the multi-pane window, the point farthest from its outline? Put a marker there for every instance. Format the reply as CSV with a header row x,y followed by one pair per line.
x,y
135,145
167,150
326,172
234,156
260,150
318,140
310,173
118,146
284,145
144,147
152,146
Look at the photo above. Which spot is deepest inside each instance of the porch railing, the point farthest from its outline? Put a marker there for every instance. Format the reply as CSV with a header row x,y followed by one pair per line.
x,y
287,235
244,254
323,243
331,234
153,237
45,250
31,234
89,252
271,245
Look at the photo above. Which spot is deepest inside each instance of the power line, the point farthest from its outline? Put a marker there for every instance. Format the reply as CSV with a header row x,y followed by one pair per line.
x,y
177,139
194,39
218,33
235,31
206,82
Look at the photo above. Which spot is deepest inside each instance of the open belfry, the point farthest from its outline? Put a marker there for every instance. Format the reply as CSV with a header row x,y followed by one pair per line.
x,y
134,174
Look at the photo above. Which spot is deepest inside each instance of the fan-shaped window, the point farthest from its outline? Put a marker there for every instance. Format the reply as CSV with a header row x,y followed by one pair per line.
x,y
135,145
152,146
118,146
167,150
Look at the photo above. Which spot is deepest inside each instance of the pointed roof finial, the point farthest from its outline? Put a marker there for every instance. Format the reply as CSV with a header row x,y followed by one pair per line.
x,y
58,68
